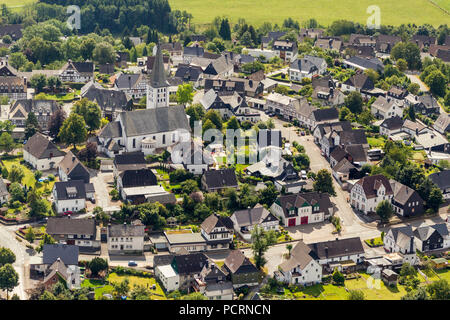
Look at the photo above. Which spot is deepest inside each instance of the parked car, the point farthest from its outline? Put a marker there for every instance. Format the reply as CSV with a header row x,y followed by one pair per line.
x,y
67,213
303,133
303,173
132,263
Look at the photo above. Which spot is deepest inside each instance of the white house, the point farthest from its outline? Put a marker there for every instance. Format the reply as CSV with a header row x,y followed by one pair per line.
x,y
80,72
401,240
384,108
244,221
369,191
41,153
301,267
125,239
340,253
218,232
307,67
69,196
168,276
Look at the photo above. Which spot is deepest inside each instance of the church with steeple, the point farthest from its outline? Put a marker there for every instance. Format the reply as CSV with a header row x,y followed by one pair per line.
x,y
158,87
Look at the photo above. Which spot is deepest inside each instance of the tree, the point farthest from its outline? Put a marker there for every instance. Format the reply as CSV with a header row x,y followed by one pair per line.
x,y
437,82
435,199
185,93
355,295
338,277
215,118
97,265
418,294
9,279
233,123
354,102
408,51
289,249
6,256
196,112
414,88
54,82
324,182
73,130
344,114
6,142
16,174
194,296
268,195
122,288
225,31
104,53
46,239
261,240
56,121
38,82
90,111
31,125
38,205
17,59
189,186
16,192
439,290
402,65
385,210
30,236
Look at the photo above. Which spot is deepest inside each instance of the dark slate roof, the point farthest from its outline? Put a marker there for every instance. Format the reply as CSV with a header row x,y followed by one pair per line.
x,y
373,63
357,152
130,158
402,193
360,81
126,230
13,30
255,216
174,46
353,137
370,185
338,126
36,106
40,147
158,75
187,72
220,178
193,51
326,114
126,81
338,154
428,101
441,179
337,248
73,167
68,226
298,200
67,253
62,187
111,130
107,99
237,262
83,67
424,232
393,123
216,221
189,263
149,121
406,230
138,178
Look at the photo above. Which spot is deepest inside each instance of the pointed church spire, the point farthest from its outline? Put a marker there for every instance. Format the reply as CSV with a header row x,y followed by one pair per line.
x,y
158,76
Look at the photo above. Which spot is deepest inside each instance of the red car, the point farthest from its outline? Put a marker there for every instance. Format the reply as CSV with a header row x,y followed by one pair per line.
x,y
67,213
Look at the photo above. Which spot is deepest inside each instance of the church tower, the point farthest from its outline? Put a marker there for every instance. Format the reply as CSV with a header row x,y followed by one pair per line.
x,y
158,87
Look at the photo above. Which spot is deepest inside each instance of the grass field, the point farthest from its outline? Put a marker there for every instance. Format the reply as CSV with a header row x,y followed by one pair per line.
x,y
324,11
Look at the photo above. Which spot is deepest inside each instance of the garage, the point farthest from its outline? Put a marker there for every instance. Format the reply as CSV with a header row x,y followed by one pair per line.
x,y
304,220
291,222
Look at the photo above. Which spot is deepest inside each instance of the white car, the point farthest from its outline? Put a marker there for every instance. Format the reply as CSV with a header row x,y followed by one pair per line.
x,y
303,173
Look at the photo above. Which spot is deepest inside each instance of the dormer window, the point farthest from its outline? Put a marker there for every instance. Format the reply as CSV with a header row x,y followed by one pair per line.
x,y
71,192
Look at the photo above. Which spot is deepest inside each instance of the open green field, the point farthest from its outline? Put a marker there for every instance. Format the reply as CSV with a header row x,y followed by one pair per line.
x,y
324,11
445,4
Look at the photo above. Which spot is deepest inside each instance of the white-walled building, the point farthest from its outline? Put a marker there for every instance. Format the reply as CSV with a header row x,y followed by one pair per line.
x,y
401,240
125,238
41,153
168,277
244,221
69,196
369,191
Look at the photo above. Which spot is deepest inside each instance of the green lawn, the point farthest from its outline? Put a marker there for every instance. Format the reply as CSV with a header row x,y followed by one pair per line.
x,y
100,287
375,142
17,3
134,280
60,97
444,274
376,242
324,11
445,4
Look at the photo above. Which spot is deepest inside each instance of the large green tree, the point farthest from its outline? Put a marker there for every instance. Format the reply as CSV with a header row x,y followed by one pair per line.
x,y
6,256
261,240
385,210
9,279
73,130
90,111
324,182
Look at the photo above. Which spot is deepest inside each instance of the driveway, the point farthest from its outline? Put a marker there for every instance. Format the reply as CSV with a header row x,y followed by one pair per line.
x,y
103,183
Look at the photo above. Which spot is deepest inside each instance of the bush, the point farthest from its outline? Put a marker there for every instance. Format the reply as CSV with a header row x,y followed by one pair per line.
x,y
51,177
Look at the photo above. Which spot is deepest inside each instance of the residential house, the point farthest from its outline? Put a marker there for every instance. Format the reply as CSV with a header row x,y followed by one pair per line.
x,y
343,171
302,267
4,194
369,191
307,67
212,282
426,105
79,232
385,43
364,64
302,208
189,53
41,153
324,115
218,232
219,68
185,242
406,201
442,181
311,33
175,50
383,108
190,74
111,102
325,128
389,277
286,50
42,109
391,125
362,40
133,85
397,93
328,96
77,72
69,196
271,37
433,141
282,105
359,82
12,85
240,270
366,52
125,239
442,124
12,30
401,240
107,68
343,254
122,58
70,168
244,221
217,180
333,44
432,237
177,272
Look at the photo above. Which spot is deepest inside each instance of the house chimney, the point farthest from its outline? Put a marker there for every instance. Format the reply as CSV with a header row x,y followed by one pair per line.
x,y
25,81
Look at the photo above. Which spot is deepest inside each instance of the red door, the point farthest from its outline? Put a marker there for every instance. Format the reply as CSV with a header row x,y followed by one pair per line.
x,y
304,220
291,222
